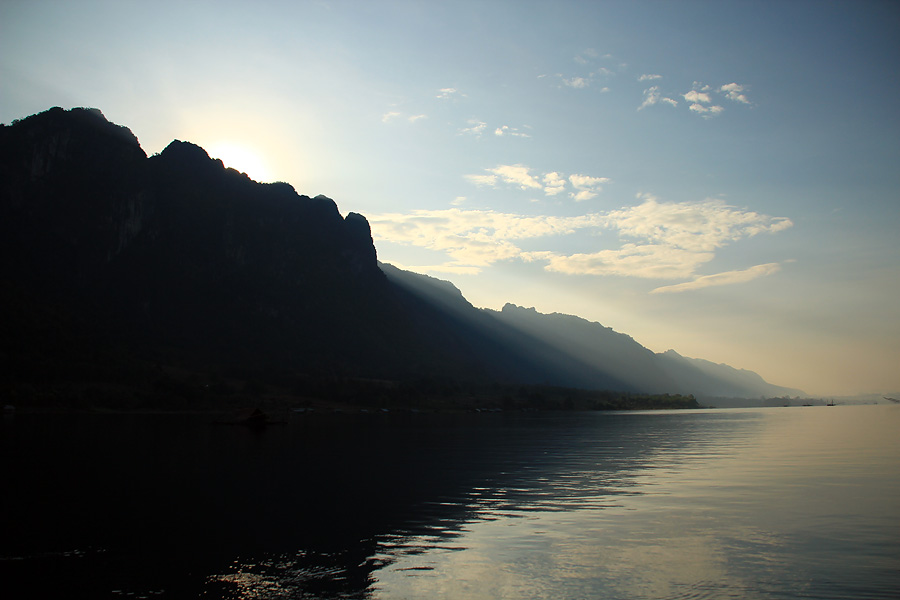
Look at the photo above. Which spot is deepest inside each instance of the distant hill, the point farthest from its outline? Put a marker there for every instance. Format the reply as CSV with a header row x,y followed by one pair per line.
x,y
580,350
116,266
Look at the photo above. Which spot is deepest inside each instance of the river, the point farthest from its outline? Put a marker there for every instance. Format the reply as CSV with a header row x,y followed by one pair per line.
x,y
800,502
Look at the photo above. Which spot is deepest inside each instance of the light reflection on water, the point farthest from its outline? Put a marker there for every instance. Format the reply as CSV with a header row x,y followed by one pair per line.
x,y
776,503
745,505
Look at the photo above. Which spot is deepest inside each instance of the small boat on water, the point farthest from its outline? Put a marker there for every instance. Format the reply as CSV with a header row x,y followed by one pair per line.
x,y
255,418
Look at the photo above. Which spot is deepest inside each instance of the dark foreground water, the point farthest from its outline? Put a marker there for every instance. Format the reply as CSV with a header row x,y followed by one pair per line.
x,y
770,503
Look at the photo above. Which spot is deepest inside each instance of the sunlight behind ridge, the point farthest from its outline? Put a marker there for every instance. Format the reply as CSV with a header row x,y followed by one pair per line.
x,y
243,158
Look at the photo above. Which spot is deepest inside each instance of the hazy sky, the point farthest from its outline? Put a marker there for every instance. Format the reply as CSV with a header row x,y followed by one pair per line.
x,y
720,178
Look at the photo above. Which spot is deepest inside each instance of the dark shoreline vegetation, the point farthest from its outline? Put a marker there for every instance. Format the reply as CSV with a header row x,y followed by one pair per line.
x,y
167,389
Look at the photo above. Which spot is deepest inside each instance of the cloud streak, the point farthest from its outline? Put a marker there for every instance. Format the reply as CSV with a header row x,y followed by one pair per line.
x,y
725,278
652,96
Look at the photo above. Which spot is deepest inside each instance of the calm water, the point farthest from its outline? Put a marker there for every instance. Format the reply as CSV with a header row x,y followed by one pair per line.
x,y
770,503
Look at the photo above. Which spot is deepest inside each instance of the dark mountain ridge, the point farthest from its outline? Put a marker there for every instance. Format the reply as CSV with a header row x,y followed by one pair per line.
x,y
112,261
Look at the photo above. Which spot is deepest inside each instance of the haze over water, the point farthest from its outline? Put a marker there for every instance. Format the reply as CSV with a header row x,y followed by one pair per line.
x,y
757,503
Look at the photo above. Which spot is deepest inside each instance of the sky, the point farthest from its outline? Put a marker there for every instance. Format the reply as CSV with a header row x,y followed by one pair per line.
x,y
718,178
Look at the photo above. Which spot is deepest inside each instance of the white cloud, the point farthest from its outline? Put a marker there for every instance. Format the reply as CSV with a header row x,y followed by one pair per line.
x,y
657,240
449,92
554,183
475,128
507,130
576,82
725,278
517,175
473,239
479,180
695,226
733,91
394,115
586,56
694,96
632,260
649,77
706,111
586,181
585,187
459,200
582,195
653,96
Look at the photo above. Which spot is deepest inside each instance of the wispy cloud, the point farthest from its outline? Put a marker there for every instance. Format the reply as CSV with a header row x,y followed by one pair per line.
x,y
733,92
647,261
702,99
725,278
695,96
591,73
706,111
393,115
584,187
517,175
506,130
657,240
482,180
695,226
475,127
449,93
653,96
576,82
472,239
586,56
554,183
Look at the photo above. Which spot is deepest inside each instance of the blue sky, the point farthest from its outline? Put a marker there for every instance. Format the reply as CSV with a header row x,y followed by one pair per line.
x,y
720,178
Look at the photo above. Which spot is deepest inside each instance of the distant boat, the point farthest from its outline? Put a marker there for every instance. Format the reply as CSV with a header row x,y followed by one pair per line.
x,y
252,417
830,403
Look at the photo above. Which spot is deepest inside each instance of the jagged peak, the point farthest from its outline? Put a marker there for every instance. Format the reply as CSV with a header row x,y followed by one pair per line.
x,y
510,307
353,216
184,150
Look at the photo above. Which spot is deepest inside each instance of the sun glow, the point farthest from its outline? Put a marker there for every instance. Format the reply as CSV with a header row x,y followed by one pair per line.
x,y
243,158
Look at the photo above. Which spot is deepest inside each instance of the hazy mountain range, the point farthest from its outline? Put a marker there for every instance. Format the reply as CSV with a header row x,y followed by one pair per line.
x,y
112,259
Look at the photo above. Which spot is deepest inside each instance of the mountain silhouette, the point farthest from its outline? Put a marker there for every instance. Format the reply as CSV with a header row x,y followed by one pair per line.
x,y
116,266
